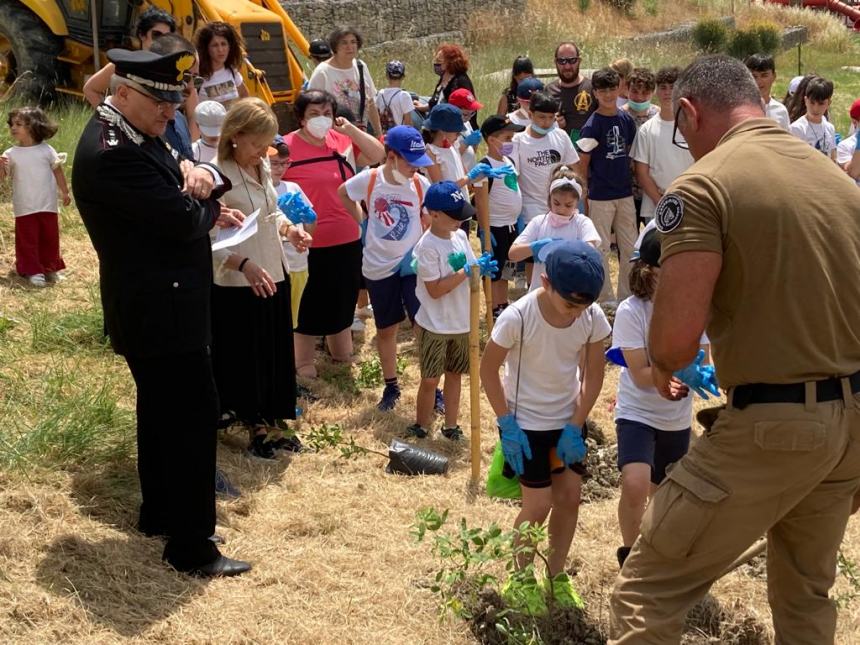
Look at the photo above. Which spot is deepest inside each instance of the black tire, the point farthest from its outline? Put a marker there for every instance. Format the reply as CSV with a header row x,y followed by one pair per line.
x,y
34,51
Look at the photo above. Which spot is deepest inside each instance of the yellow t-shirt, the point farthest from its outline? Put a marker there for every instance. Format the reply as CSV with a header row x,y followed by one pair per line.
x,y
786,220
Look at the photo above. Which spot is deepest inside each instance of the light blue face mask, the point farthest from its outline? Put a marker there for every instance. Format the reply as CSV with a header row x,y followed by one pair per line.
x,y
638,107
543,131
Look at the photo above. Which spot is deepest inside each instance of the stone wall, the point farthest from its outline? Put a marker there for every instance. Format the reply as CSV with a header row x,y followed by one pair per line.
x,y
383,22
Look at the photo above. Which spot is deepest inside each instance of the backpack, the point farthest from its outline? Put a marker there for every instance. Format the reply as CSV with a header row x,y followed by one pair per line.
x,y
386,116
486,160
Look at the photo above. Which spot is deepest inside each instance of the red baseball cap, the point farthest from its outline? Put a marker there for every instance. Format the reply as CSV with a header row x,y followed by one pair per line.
x,y
854,111
464,100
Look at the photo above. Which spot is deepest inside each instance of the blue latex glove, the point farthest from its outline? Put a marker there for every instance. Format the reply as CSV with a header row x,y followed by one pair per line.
x,y
408,265
296,208
487,265
481,237
616,356
515,443
482,170
521,224
457,261
571,446
473,138
538,245
700,378
299,412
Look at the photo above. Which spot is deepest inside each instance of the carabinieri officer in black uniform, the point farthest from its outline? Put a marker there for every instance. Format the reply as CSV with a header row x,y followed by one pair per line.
x,y
149,222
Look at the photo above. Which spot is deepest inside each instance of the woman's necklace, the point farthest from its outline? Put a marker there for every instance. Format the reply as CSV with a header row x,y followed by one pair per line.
x,y
243,171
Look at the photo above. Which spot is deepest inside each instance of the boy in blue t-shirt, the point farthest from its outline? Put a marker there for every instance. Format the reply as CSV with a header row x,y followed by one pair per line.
x,y
604,146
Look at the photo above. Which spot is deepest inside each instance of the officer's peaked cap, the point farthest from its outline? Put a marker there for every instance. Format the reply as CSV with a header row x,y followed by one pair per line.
x,y
162,77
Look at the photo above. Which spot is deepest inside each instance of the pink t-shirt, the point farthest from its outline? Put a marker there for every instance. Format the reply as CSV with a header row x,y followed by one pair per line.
x,y
320,181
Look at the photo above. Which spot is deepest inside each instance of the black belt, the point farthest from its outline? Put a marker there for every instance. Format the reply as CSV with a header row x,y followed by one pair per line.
x,y
826,390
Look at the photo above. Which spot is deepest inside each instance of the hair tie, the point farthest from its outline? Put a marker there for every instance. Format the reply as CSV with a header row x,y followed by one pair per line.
x,y
564,181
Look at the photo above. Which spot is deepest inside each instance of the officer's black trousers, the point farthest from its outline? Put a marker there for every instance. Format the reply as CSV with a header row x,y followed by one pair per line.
x,y
177,413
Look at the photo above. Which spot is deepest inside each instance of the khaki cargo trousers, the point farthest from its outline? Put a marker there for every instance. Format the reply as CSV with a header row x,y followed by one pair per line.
x,y
787,470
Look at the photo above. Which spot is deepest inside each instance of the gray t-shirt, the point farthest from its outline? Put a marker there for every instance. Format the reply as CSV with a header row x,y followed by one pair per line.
x,y
577,104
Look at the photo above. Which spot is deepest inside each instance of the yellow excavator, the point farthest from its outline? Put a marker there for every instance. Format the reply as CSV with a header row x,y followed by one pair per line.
x,y
52,46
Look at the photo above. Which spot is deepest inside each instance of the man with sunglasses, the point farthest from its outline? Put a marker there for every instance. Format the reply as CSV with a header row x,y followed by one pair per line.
x,y
759,243
572,90
149,220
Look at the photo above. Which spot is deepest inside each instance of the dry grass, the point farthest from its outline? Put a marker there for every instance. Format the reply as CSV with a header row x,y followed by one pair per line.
x,y
329,538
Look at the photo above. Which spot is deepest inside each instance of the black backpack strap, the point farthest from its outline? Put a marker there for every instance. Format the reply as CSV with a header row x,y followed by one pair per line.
x,y
342,164
486,160
362,92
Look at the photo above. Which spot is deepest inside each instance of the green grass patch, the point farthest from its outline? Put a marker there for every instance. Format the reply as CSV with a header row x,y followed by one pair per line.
x,y
66,417
80,330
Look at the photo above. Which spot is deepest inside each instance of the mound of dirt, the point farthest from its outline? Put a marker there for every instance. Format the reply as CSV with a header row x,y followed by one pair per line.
x,y
602,463
710,622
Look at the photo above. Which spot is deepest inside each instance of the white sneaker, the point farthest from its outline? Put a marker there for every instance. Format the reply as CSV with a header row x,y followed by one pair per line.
x,y
364,312
357,325
38,280
55,276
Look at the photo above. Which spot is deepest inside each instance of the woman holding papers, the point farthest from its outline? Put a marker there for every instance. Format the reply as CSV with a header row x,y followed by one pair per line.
x,y
252,347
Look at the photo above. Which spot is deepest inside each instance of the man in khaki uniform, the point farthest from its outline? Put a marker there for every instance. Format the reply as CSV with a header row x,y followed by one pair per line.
x,y
761,243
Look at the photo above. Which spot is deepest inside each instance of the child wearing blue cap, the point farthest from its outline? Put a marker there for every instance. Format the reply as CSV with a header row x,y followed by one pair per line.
x,y
393,194
443,319
550,343
653,432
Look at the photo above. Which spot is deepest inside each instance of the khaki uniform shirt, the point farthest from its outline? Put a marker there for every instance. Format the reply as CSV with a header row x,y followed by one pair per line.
x,y
786,220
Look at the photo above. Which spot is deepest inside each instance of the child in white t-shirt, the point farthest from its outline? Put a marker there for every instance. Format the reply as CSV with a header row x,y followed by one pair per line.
x,y
37,171
442,131
393,194
393,103
813,127
657,161
653,432
550,343
279,161
210,116
444,260
562,222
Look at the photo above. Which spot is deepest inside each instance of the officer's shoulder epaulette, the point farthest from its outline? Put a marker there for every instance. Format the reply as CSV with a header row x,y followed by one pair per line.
x,y
115,129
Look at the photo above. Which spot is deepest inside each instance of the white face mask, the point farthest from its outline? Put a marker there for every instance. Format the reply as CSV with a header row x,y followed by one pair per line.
x,y
398,176
318,126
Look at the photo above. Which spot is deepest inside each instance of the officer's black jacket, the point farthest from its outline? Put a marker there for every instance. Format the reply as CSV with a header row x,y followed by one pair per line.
x,y
155,260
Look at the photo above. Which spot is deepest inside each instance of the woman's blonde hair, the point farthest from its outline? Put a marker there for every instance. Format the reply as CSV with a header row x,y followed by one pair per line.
x,y
563,171
624,67
246,116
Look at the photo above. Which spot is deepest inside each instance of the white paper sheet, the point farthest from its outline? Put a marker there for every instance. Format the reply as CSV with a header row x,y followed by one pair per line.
x,y
228,237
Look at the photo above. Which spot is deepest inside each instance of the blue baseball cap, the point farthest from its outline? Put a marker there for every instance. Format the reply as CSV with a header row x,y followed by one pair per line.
x,y
528,86
445,117
407,142
447,197
574,267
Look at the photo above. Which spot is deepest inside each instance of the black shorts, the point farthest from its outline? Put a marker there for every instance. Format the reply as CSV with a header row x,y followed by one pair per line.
x,y
504,237
329,298
390,297
644,444
538,471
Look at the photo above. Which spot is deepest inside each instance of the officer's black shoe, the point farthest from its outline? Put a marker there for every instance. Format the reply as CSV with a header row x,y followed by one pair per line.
x,y
622,553
221,567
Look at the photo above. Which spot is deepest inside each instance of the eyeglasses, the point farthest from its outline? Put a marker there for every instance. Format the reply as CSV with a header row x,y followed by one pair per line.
x,y
162,106
682,144
569,60
188,77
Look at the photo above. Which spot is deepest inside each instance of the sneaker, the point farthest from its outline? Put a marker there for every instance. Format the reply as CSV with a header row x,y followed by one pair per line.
x,y
260,448
287,444
454,434
37,280
621,554
416,430
54,276
562,592
497,311
223,487
357,325
304,393
364,312
390,396
522,593
439,404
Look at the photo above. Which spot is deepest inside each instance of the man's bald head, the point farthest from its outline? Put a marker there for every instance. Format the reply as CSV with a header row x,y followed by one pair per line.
x,y
713,95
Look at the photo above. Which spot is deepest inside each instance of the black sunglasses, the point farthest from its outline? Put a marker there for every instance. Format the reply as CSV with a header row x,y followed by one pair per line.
x,y
572,60
682,144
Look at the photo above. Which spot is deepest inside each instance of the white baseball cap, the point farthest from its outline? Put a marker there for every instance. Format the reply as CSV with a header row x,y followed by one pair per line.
x,y
209,116
792,86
